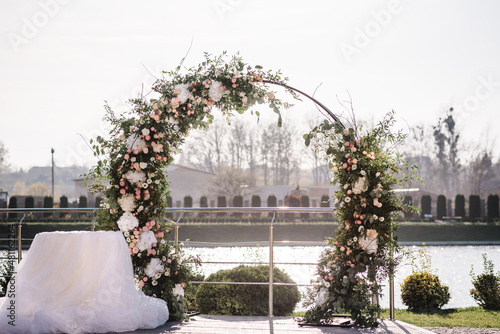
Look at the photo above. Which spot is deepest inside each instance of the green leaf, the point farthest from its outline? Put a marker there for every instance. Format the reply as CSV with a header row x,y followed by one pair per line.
x,y
280,121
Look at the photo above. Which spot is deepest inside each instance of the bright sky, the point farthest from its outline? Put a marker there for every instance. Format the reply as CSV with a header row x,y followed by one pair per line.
x,y
60,60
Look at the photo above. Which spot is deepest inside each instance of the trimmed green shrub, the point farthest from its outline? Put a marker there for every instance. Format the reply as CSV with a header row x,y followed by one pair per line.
x,y
423,291
13,205
238,203
63,203
425,203
82,202
29,202
325,203
221,203
48,203
292,201
486,291
460,206
474,207
203,204
170,204
188,201
272,202
493,207
304,202
441,207
256,203
247,299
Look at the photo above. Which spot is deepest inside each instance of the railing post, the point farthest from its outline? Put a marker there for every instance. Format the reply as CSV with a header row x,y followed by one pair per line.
x,y
19,242
391,282
271,266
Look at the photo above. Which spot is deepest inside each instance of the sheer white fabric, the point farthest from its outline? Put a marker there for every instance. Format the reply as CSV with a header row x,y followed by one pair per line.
x,y
78,282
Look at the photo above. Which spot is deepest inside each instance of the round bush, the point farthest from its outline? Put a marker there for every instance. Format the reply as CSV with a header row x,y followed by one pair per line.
x,y
441,207
486,291
425,203
246,299
424,291
460,206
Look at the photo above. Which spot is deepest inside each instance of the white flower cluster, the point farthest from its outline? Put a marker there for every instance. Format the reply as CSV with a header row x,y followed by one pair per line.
x,y
183,92
147,239
154,267
322,296
178,291
370,242
360,186
127,202
136,143
135,176
127,222
215,92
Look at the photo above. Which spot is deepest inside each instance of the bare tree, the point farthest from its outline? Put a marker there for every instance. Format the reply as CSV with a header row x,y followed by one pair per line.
x,y
229,182
4,167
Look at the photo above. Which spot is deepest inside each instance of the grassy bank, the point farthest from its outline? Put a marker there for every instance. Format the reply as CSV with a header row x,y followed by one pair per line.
x,y
471,317
293,231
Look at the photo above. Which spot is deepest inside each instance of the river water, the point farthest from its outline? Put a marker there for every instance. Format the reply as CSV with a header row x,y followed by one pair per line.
x,y
451,263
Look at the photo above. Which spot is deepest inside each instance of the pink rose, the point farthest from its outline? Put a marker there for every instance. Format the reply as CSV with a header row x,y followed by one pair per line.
x,y
141,284
122,191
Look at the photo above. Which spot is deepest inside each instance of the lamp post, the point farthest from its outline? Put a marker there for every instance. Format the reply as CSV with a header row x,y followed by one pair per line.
x,y
52,151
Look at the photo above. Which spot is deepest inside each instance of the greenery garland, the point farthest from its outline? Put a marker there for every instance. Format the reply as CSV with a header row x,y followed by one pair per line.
x,y
365,167
131,170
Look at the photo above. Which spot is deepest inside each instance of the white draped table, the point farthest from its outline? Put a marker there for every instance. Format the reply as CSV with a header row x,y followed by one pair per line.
x,y
78,282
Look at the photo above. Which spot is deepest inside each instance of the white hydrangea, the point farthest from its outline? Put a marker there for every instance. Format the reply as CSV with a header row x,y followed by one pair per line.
x,y
154,267
147,238
136,143
215,92
370,242
135,176
178,291
127,202
127,222
322,296
360,186
184,93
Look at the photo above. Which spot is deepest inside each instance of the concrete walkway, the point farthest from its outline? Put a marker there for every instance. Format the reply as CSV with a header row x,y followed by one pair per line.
x,y
219,324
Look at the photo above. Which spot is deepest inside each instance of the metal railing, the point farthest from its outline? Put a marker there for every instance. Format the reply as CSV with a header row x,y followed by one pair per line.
x,y
273,210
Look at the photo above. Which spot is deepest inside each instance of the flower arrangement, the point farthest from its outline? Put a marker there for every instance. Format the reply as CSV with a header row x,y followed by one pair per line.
x,y
365,168
131,170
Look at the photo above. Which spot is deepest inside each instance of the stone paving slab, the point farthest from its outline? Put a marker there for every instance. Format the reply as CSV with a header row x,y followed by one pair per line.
x,y
217,324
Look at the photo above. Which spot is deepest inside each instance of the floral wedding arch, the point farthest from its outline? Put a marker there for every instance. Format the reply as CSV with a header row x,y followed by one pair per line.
x,y
131,173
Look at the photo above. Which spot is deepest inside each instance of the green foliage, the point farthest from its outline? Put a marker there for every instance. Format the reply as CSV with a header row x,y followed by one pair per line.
x,y
304,202
221,203
408,202
82,202
63,202
272,202
256,202
474,207
237,203
423,290
247,299
425,203
188,202
13,205
48,202
365,167
29,202
493,207
203,204
486,291
98,201
441,207
460,205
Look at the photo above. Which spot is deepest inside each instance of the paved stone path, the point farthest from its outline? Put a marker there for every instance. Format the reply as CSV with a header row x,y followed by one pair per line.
x,y
217,324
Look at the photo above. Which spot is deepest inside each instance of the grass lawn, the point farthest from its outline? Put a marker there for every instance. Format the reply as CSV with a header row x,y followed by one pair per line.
x,y
471,317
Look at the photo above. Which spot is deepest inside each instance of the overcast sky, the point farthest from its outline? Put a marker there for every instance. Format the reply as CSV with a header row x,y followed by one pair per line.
x,y
61,60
